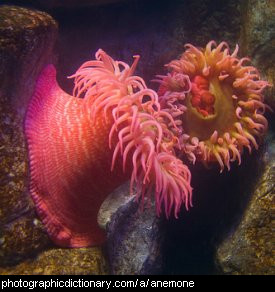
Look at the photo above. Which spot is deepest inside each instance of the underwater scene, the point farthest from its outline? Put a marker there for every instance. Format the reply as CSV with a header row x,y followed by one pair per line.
x,y
137,137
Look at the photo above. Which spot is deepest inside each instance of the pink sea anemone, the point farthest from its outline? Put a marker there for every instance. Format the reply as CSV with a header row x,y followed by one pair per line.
x,y
143,131
218,101
113,122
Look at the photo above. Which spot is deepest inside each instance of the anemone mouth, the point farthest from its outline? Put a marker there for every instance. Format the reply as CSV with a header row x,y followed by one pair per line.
x,y
202,98
202,119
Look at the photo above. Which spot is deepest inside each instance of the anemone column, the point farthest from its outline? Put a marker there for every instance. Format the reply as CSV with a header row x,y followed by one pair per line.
x,y
66,150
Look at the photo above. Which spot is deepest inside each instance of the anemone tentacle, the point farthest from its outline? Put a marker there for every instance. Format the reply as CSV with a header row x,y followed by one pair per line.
x,y
144,131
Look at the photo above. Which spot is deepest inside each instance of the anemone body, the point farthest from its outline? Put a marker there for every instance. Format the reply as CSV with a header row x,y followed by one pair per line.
x,y
66,150
81,147
223,106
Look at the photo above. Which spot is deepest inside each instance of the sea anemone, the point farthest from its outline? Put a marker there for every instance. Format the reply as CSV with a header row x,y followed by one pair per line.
x,y
83,146
218,101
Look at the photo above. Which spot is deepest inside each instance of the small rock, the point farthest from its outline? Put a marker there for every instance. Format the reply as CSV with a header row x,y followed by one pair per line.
x,y
134,238
114,201
22,239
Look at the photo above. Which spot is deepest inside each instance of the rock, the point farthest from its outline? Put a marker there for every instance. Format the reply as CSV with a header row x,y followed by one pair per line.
x,y
27,41
249,249
134,238
57,261
118,198
21,238
27,38
258,39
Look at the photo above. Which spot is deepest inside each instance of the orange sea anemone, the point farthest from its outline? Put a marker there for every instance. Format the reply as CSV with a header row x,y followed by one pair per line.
x,y
221,109
74,142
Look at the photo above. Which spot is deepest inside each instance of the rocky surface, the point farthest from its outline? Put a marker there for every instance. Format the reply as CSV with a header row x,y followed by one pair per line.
x,y
250,248
27,38
22,238
134,238
57,261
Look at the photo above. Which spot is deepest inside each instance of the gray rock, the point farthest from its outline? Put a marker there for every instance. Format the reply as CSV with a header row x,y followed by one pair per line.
x,y
118,198
134,238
